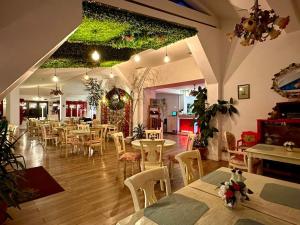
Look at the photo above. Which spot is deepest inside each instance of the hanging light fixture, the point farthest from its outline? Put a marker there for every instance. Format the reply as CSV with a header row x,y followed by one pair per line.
x,y
111,75
95,56
86,76
260,25
55,91
194,92
167,58
137,58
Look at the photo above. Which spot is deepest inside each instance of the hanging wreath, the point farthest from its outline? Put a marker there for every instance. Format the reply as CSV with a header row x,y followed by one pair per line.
x,y
116,98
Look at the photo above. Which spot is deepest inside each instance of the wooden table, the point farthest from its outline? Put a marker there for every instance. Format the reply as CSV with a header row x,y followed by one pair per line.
x,y
256,183
272,152
137,145
264,212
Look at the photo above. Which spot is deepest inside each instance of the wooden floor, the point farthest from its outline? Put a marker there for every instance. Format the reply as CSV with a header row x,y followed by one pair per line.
x,y
92,193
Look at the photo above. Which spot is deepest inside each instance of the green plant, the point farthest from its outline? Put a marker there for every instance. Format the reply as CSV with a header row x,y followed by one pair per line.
x,y
204,113
9,190
94,87
138,131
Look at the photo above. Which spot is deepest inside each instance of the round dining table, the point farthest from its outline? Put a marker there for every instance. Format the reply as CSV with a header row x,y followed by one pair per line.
x,y
168,143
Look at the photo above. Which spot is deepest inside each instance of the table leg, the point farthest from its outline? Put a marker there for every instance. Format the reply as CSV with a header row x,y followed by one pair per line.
x,y
250,166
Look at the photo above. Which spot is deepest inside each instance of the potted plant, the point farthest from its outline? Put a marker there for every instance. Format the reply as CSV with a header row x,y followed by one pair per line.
x,y
204,114
138,131
9,190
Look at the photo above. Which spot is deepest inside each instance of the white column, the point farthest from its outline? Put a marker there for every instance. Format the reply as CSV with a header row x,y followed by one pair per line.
x,y
214,147
13,107
62,106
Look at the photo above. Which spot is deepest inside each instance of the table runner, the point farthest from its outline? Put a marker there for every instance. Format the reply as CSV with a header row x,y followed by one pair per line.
x,y
247,222
176,209
282,195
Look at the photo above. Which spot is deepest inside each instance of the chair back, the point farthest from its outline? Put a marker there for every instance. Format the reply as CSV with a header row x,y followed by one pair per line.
x,y
236,159
119,143
190,141
145,181
151,151
186,162
84,127
153,134
230,141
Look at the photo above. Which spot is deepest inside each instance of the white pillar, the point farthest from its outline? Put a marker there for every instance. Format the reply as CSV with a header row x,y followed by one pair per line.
x,y
13,107
214,147
62,106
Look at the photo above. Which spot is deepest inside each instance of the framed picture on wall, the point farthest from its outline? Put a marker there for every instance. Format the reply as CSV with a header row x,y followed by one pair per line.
x,y
244,91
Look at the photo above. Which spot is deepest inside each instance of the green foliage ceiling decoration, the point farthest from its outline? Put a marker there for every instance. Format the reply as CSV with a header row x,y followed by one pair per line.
x,y
116,34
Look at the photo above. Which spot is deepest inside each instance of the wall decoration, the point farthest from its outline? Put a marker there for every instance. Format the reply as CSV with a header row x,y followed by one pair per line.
x,y
287,81
116,98
116,109
260,25
244,91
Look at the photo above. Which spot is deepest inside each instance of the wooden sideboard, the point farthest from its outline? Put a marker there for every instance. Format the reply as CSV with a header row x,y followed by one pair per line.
x,y
278,131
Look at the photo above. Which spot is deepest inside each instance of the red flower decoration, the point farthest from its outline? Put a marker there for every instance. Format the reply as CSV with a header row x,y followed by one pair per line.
x,y
229,194
236,187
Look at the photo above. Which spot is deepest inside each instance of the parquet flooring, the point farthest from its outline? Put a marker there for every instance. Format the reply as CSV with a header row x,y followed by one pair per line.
x,y
93,195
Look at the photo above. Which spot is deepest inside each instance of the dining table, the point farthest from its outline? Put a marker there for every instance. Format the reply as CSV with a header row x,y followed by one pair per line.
x,y
167,144
273,202
272,152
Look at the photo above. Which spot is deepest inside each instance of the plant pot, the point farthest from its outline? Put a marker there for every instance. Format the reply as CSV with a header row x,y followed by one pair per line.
x,y
203,152
3,209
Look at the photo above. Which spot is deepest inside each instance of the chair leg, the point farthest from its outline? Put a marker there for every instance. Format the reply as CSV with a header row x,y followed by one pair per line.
x,y
125,169
171,168
161,185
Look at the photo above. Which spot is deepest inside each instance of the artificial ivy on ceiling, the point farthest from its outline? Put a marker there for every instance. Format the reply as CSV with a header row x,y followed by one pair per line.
x,y
116,34
106,25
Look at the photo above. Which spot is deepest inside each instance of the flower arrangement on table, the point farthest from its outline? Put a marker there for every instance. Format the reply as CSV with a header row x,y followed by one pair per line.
x,y
289,145
234,190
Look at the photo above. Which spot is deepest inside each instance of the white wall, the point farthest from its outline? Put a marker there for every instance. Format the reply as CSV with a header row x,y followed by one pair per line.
x,y
258,69
29,33
172,101
175,72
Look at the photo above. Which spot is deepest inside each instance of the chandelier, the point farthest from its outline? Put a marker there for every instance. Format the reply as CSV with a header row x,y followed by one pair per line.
x,y
260,25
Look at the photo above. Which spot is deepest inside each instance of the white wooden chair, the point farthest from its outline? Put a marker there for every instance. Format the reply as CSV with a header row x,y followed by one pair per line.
x,y
237,158
110,129
153,134
145,181
189,147
46,136
152,153
123,155
84,127
95,141
186,161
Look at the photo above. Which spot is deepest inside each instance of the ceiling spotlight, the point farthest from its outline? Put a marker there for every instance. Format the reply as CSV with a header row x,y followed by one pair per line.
x,y
166,58
111,75
137,58
55,78
95,56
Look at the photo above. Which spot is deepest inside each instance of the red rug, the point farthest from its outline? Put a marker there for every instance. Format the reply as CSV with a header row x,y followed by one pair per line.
x,y
37,183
